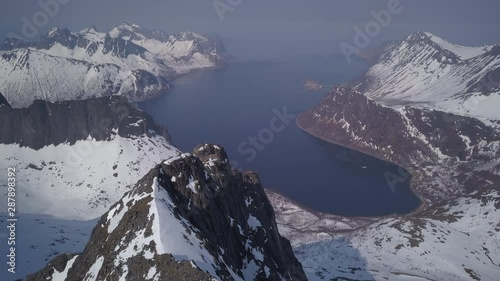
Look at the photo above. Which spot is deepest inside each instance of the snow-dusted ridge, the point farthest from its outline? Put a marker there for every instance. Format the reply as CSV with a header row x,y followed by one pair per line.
x,y
463,52
162,229
128,60
427,71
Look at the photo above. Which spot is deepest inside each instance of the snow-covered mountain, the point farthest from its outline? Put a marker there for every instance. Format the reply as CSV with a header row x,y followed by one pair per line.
x,y
431,107
128,60
190,218
455,241
448,155
76,158
428,71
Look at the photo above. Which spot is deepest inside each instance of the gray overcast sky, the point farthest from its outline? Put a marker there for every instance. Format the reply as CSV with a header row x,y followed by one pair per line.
x,y
278,26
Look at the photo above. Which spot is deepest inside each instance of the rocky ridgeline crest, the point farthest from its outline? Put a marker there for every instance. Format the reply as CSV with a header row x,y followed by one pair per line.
x,y
190,218
45,123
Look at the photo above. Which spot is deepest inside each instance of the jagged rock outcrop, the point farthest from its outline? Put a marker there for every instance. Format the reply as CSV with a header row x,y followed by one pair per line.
x,y
190,218
45,123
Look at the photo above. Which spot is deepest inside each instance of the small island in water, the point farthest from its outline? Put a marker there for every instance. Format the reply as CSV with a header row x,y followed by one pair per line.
x,y
312,85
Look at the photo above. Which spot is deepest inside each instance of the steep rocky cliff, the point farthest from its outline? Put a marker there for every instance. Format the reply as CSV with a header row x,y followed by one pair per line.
x,y
44,123
76,158
448,154
190,218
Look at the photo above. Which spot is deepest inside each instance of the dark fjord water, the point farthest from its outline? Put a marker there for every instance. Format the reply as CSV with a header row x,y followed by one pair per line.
x,y
228,106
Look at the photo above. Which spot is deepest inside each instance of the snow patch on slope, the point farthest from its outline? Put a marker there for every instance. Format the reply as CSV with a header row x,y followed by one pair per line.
x,y
83,180
464,52
457,241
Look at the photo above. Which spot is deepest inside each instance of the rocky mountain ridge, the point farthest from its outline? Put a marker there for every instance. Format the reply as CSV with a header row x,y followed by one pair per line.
x,y
65,151
46,123
190,218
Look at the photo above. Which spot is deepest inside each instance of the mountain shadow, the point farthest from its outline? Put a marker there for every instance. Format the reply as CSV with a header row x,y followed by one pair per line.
x,y
333,260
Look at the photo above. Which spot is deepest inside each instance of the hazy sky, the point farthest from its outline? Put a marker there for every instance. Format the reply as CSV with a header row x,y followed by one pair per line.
x,y
268,27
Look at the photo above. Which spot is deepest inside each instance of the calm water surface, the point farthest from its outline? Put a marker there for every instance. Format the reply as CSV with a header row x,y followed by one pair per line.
x,y
230,105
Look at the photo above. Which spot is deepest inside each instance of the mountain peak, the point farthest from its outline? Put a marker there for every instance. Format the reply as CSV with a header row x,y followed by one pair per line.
x,y
55,32
189,218
418,36
128,30
458,52
128,25
91,29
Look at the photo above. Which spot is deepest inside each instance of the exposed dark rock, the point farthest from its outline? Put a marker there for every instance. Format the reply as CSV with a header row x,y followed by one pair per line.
x,y
57,264
121,48
442,150
3,101
45,123
216,209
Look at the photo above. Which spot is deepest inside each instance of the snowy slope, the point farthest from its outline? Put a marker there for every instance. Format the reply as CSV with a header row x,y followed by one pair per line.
x,y
42,238
425,70
83,180
26,75
129,60
455,241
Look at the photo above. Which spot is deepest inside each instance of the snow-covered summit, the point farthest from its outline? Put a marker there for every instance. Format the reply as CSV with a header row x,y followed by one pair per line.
x,y
463,52
428,71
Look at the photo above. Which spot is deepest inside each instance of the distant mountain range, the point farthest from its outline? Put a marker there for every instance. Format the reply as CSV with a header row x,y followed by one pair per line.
x,y
128,60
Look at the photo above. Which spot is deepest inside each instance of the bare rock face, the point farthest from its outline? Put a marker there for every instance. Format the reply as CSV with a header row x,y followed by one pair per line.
x,y
190,218
128,60
448,154
45,123
3,101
